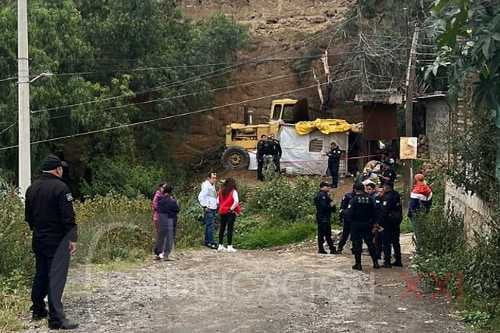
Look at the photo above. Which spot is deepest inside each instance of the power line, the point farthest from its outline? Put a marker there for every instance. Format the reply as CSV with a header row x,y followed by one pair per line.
x,y
144,69
8,78
197,93
208,75
162,87
8,128
172,116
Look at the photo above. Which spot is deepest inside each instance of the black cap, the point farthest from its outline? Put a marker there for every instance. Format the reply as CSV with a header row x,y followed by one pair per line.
x,y
52,162
323,184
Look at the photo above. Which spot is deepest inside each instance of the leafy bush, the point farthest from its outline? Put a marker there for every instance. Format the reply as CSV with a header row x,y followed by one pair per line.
x,y
469,271
15,241
286,200
122,176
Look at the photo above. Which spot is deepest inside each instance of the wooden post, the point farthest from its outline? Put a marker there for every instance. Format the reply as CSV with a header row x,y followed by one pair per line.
x,y
410,94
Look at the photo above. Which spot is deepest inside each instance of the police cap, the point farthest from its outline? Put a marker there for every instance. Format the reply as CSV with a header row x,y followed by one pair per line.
x,y
52,162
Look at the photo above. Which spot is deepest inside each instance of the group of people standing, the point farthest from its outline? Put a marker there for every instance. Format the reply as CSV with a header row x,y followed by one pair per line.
x,y
224,203
372,215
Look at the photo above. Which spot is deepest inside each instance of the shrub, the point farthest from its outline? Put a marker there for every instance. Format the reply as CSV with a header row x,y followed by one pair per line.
x,y
469,271
286,200
132,180
15,241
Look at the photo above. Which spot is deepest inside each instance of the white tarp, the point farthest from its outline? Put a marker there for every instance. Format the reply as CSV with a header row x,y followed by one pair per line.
x,y
297,157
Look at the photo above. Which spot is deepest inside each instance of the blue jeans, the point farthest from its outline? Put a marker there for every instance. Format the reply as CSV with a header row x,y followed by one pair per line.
x,y
208,221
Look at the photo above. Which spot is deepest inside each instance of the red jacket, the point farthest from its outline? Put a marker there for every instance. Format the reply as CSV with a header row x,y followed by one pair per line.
x,y
225,203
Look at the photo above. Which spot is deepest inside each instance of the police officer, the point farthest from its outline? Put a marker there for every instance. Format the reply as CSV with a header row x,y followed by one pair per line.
x,y
346,225
362,215
264,147
277,152
324,208
390,219
373,192
49,214
388,173
334,163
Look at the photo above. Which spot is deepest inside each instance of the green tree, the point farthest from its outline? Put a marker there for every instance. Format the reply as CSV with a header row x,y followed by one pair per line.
x,y
110,60
468,35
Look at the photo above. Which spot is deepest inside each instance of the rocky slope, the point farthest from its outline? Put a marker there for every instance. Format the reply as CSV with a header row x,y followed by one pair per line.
x,y
278,29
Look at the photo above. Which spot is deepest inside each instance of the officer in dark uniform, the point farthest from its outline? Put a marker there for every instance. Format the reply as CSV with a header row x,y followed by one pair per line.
x,y
277,152
388,173
49,213
334,162
264,147
324,209
361,213
391,217
346,229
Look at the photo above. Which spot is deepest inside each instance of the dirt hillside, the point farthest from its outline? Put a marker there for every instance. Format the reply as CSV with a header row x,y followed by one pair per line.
x,y
278,29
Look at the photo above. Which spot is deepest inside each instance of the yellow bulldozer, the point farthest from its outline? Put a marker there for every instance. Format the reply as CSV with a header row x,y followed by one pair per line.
x,y
241,138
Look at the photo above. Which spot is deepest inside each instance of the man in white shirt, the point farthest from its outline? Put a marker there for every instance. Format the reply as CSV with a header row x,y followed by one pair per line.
x,y
208,200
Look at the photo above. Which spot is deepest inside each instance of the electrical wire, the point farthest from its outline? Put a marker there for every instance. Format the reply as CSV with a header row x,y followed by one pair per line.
x,y
204,76
171,116
196,93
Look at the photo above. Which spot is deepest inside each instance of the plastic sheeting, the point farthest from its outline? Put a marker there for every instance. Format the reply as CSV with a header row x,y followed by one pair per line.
x,y
325,126
297,157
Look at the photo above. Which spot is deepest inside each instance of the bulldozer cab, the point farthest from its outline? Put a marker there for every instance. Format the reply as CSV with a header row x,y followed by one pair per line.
x,y
283,110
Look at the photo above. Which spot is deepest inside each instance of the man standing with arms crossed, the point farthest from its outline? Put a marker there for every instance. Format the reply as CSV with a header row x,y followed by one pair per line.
x,y
208,200
50,215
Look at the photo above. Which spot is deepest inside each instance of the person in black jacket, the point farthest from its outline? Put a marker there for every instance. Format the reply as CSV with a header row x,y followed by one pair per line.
x,y
346,225
324,208
264,147
388,173
168,209
334,163
277,152
390,219
50,216
362,215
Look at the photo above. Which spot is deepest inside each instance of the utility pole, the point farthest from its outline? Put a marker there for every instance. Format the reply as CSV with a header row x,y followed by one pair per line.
x,y
24,97
410,84
410,94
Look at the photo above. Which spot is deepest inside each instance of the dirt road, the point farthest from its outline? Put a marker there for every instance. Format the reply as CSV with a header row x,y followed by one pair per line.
x,y
290,289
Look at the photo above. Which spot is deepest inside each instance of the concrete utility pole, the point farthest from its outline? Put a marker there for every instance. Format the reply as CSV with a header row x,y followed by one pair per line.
x,y
24,97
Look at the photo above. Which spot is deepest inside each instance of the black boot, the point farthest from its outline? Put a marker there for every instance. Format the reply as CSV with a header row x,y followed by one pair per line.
x,y
65,324
357,265
322,251
387,264
333,250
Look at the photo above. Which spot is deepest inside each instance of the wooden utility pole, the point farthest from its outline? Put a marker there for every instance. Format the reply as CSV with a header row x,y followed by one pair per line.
x,y
410,84
23,75
410,95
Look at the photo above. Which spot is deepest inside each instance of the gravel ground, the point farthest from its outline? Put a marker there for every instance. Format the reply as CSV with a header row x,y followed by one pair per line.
x,y
289,289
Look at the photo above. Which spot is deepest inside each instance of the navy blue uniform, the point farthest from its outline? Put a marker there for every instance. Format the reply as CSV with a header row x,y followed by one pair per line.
x,y
390,219
346,225
324,212
388,173
264,147
362,214
333,164
277,152
50,215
